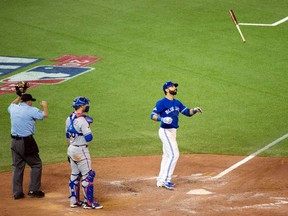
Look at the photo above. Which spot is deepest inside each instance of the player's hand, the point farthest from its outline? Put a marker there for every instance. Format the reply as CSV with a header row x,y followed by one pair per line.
x,y
167,120
197,109
43,104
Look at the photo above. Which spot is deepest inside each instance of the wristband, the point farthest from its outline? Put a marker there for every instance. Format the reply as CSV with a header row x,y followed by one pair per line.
x,y
193,111
159,118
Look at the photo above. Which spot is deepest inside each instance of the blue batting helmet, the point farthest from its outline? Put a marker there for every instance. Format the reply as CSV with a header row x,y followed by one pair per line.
x,y
80,101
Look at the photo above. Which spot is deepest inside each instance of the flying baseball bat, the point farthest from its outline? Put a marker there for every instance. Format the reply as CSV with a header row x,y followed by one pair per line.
x,y
236,24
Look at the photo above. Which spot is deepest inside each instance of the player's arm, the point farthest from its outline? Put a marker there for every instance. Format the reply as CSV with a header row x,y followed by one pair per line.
x,y
155,117
85,127
44,105
195,110
166,120
88,137
68,141
189,112
67,134
16,101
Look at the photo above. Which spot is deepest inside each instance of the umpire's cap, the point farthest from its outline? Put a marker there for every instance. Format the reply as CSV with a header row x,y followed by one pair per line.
x,y
80,101
27,97
168,84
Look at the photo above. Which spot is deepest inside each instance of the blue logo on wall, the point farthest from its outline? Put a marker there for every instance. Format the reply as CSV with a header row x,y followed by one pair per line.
x,y
48,74
9,64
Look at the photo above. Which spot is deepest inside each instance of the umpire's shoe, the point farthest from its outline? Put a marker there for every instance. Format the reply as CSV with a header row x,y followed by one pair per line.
x,y
19,196
37,194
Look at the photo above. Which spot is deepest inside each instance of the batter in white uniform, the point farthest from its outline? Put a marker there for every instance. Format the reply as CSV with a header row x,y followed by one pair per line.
x,y
167,111
79,135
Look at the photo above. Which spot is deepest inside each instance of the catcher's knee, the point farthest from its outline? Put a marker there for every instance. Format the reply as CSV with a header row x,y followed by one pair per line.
x,y
88,178
91,175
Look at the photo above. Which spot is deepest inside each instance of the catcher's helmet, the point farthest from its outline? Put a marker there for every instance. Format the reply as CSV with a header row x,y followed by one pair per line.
x,y
80,101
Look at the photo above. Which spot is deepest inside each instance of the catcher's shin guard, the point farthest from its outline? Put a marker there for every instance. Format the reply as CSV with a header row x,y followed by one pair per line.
x,y
88,187
74,186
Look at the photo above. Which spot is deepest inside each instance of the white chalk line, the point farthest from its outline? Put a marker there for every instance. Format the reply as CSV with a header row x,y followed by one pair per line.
x,y
220,175
118,182
199,175
276,204
259,24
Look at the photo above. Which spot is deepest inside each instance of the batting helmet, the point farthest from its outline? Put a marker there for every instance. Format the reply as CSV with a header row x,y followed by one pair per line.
x,y
80,101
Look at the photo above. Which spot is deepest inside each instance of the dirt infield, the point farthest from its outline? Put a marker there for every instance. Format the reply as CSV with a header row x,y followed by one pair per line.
x,y
127,186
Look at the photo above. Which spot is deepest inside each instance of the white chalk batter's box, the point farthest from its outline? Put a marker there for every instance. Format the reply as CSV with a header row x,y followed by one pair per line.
x,y
43,75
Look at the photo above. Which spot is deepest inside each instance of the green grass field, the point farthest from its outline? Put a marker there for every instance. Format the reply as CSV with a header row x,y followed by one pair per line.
x,y
242,88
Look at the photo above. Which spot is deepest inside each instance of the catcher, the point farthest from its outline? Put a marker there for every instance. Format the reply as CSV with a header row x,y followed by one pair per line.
x,y
79,136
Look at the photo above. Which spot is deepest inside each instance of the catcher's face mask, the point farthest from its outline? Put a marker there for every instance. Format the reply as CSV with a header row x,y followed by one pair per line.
x,y
87,109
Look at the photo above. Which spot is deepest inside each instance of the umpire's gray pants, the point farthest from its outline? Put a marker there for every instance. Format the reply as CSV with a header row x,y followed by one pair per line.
x,y
19,160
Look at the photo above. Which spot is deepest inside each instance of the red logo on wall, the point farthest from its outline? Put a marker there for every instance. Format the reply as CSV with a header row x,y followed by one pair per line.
x,y
75,61
66,67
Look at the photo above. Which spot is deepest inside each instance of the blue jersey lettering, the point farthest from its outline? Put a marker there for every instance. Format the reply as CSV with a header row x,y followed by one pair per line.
x,y
170,108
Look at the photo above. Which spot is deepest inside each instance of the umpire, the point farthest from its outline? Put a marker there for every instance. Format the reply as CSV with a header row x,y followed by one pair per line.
x,y
24,148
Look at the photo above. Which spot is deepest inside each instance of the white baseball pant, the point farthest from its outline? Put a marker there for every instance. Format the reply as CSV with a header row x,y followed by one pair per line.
x,y
170,154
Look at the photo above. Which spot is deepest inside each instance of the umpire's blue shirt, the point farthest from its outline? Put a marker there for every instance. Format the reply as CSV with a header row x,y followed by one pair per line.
x,y
23,119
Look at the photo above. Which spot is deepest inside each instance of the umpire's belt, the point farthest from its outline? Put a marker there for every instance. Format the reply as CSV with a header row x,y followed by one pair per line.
x,y
19,138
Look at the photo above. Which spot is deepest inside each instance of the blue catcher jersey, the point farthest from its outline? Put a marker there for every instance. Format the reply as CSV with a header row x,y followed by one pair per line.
x,y
170,108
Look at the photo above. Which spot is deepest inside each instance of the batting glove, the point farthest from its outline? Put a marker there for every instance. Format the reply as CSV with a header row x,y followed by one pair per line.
x,y
167,120
197,109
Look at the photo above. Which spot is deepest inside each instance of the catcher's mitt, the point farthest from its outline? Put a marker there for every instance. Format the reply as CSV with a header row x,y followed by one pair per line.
x,y
21,87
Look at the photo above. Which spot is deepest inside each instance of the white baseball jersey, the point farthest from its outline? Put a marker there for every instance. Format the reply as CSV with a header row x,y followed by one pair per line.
x,y
77,127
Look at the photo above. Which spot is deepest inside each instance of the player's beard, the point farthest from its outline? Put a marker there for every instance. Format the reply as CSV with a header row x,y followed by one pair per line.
x,y
173,92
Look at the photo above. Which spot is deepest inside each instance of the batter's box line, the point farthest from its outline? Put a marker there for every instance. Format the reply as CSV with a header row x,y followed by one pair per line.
x,y
260,24
197,176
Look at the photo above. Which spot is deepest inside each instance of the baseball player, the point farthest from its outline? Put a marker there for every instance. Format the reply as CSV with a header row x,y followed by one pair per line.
x,y
79,135
167,111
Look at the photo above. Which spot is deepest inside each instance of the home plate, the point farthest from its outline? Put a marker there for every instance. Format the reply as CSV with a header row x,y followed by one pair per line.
x,y
199,192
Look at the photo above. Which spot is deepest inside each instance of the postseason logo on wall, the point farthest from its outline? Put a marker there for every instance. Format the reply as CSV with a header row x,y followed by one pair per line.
x,y
10,64
67,67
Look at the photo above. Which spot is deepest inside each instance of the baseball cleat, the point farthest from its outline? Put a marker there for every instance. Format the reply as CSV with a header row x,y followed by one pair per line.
x,y
95,205
167,185
77,204
171,183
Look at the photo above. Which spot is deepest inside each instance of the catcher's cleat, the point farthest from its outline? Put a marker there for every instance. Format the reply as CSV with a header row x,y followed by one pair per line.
x,y
77,204
95,205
